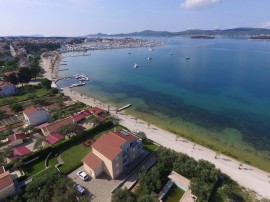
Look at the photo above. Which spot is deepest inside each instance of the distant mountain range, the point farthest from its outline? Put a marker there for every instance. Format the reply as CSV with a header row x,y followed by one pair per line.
x,y
236,32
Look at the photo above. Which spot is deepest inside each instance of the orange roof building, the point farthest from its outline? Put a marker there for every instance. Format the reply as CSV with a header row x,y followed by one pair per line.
x,y
7,187
111,153
53,127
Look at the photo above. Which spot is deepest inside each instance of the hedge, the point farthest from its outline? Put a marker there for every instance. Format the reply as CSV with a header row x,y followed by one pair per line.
x,y
63,144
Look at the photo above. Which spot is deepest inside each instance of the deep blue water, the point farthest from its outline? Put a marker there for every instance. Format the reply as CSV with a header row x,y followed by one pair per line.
x,y
225,84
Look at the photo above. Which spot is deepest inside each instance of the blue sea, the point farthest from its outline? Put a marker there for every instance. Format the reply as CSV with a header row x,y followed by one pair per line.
x,y
222,91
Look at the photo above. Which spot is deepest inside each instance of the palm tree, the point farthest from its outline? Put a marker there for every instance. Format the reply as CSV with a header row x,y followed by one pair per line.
x,y
38,143
240,165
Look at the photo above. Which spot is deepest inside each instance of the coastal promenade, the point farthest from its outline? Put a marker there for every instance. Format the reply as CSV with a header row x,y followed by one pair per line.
x,y
248,176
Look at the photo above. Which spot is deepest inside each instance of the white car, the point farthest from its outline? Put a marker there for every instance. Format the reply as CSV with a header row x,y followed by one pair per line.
x,y
82,175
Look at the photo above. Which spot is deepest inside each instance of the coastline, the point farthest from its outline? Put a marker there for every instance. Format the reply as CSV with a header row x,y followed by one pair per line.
x,y
249,177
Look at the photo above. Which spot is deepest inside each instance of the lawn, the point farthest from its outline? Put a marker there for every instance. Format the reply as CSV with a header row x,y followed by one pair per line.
x,y
53,160
174,194
72,157
150,146
34,167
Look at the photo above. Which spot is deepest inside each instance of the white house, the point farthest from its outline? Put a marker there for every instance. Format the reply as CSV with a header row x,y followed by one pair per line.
x,y
7,88
36,115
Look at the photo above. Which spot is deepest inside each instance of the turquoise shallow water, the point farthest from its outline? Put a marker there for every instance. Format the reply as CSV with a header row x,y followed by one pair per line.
x,y
225,84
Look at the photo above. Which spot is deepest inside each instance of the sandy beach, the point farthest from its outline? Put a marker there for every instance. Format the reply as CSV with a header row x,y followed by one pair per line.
x,y
50,63
248,176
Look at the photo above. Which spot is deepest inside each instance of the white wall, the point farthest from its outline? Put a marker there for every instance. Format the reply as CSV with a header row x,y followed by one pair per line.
x,y
38,117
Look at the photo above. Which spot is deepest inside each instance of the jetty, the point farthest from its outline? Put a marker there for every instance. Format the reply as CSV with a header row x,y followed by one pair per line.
x,y
125,107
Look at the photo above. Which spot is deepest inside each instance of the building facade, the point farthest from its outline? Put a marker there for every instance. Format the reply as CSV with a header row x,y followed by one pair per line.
x,y
7,88
111,154
36,115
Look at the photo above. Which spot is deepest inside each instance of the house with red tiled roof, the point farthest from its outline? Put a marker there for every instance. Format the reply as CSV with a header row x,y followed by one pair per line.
x,y
36,115
96,111
53,127
21,151
54,138
111,153
16,139
7,88
7,187
77,117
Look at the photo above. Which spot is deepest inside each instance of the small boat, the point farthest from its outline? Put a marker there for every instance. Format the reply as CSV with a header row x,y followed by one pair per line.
x,y
187,58
129,53
136,65
149,58
170,54
150,49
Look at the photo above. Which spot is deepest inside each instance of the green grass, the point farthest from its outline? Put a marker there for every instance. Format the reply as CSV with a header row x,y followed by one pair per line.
x,y
174,194
22,97
150,146
52,161
34,167
72,157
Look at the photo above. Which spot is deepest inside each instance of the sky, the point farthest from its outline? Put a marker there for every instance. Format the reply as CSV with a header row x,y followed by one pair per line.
x,y
81,17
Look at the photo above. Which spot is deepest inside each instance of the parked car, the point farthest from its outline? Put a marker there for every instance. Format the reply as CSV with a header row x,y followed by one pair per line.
x,y
80,189
82,175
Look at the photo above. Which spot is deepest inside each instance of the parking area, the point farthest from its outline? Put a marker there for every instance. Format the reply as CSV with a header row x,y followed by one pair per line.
x,y
100,188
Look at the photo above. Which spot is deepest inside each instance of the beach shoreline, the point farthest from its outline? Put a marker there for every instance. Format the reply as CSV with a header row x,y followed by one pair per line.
x,y
249,176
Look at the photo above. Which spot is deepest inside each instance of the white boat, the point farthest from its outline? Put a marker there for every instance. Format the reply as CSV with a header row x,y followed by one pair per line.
x,y
150,49
149,58
136,65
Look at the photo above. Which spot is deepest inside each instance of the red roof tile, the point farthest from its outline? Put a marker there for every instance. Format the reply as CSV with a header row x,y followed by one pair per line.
x,y
54,138
95,110
79,116
17,136
58,124
9,73
5,180
30,110
126,136
21,151
42,125
92,160
109,145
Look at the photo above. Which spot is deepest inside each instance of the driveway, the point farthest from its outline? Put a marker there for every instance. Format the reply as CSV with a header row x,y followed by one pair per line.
x,y
100,188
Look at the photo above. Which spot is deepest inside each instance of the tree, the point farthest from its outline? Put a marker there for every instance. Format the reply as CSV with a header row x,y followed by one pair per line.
x,y
46,83
2,114
148,198
24,75
12,78
149,181
16,107
35,71
5,154
38,143
142,136
123,195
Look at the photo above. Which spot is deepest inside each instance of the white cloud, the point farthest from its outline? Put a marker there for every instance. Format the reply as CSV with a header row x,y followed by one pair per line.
x,y
266,25
198,3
